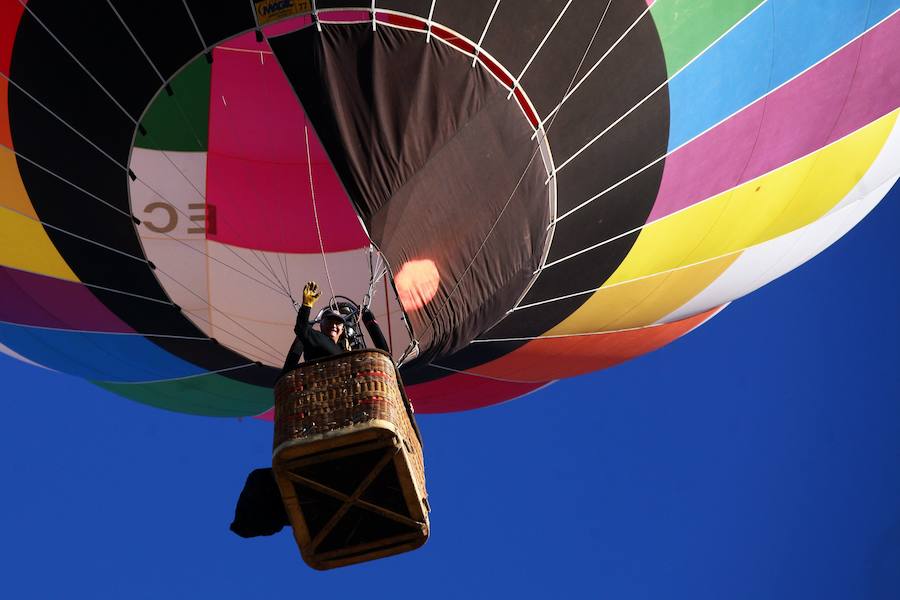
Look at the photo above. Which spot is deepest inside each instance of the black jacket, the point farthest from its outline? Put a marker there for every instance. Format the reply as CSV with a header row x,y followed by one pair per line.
x,y
314,344
259,509
374,330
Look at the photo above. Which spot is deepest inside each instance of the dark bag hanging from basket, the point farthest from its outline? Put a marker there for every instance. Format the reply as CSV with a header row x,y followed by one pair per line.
x,y
348,460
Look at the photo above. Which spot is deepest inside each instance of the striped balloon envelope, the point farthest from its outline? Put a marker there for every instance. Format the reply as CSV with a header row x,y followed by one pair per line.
x,y
527,191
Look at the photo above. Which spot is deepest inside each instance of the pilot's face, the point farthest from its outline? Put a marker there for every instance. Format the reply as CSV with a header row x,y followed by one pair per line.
x,y
333,328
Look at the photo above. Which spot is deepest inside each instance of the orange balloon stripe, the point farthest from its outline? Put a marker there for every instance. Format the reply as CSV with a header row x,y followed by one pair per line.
x,y
555,358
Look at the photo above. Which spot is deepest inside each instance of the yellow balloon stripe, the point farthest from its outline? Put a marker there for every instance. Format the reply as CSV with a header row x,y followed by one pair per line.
x,y
24,245
678,256
642,302
776,203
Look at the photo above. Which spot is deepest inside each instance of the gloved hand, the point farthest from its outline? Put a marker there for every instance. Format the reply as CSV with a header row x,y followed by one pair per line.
x,y
367,315
311,293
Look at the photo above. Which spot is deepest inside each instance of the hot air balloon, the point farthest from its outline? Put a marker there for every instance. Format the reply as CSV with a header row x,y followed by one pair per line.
x,y
527,191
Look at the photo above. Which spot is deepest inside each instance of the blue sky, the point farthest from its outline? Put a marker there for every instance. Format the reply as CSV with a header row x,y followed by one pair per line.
x,y
759,457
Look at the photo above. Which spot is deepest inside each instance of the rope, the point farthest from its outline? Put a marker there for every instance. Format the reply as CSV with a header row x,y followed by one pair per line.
x,y
370,293
710,128
261,257
408,353
278,290
136,42
253,12
186,377
77,62
128,215
430,22
312,192
651,94
111,333
609,50
196,28
143,260
64,122
537,50
388,309
315,16
484,33
133,120
686,266
274,351
75,235
94,286
515,189
281,257
377,271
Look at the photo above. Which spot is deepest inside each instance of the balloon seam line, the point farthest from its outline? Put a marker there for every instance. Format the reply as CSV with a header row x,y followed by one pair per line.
x,y
660,86
79,63
678,268
135,40
479,375
64,122
738,110
719,194
483,31
105,332
167,380
196,27
75,235
608,51
515,189
538,49
227,316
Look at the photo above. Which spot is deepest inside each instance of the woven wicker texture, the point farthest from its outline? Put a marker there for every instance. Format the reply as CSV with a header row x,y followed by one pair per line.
x,y
327,395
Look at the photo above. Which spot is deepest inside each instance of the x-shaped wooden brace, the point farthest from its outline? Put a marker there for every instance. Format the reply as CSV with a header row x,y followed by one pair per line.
x,y
355,498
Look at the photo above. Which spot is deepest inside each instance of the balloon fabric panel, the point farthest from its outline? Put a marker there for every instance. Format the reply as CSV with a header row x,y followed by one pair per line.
x,y
687,27
755,58
210,395
766,207
103,356
761,264
637,134
835,97
708,236
561,357
31,299
642,301
427,162
259,173
703,150
182,124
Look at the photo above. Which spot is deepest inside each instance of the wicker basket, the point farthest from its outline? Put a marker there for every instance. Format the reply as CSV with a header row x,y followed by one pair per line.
x,y
348,460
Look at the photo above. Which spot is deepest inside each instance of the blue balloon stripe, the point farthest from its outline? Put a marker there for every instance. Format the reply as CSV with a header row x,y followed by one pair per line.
x,y
97,356
771,46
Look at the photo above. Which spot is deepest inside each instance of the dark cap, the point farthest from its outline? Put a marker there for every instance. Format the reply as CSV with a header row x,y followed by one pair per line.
x,y
330,313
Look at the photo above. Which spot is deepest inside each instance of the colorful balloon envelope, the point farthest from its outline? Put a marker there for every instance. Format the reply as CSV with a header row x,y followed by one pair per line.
x,y
552,188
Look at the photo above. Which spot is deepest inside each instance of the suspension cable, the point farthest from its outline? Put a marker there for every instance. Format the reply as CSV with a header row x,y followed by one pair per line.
x,y
312,192
534,153
261,258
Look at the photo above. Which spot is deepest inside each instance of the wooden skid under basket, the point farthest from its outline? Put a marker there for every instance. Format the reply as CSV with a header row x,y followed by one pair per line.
x,y
348,460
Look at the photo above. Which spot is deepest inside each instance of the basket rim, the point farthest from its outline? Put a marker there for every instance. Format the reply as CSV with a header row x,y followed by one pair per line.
x,y
379,423
337,356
